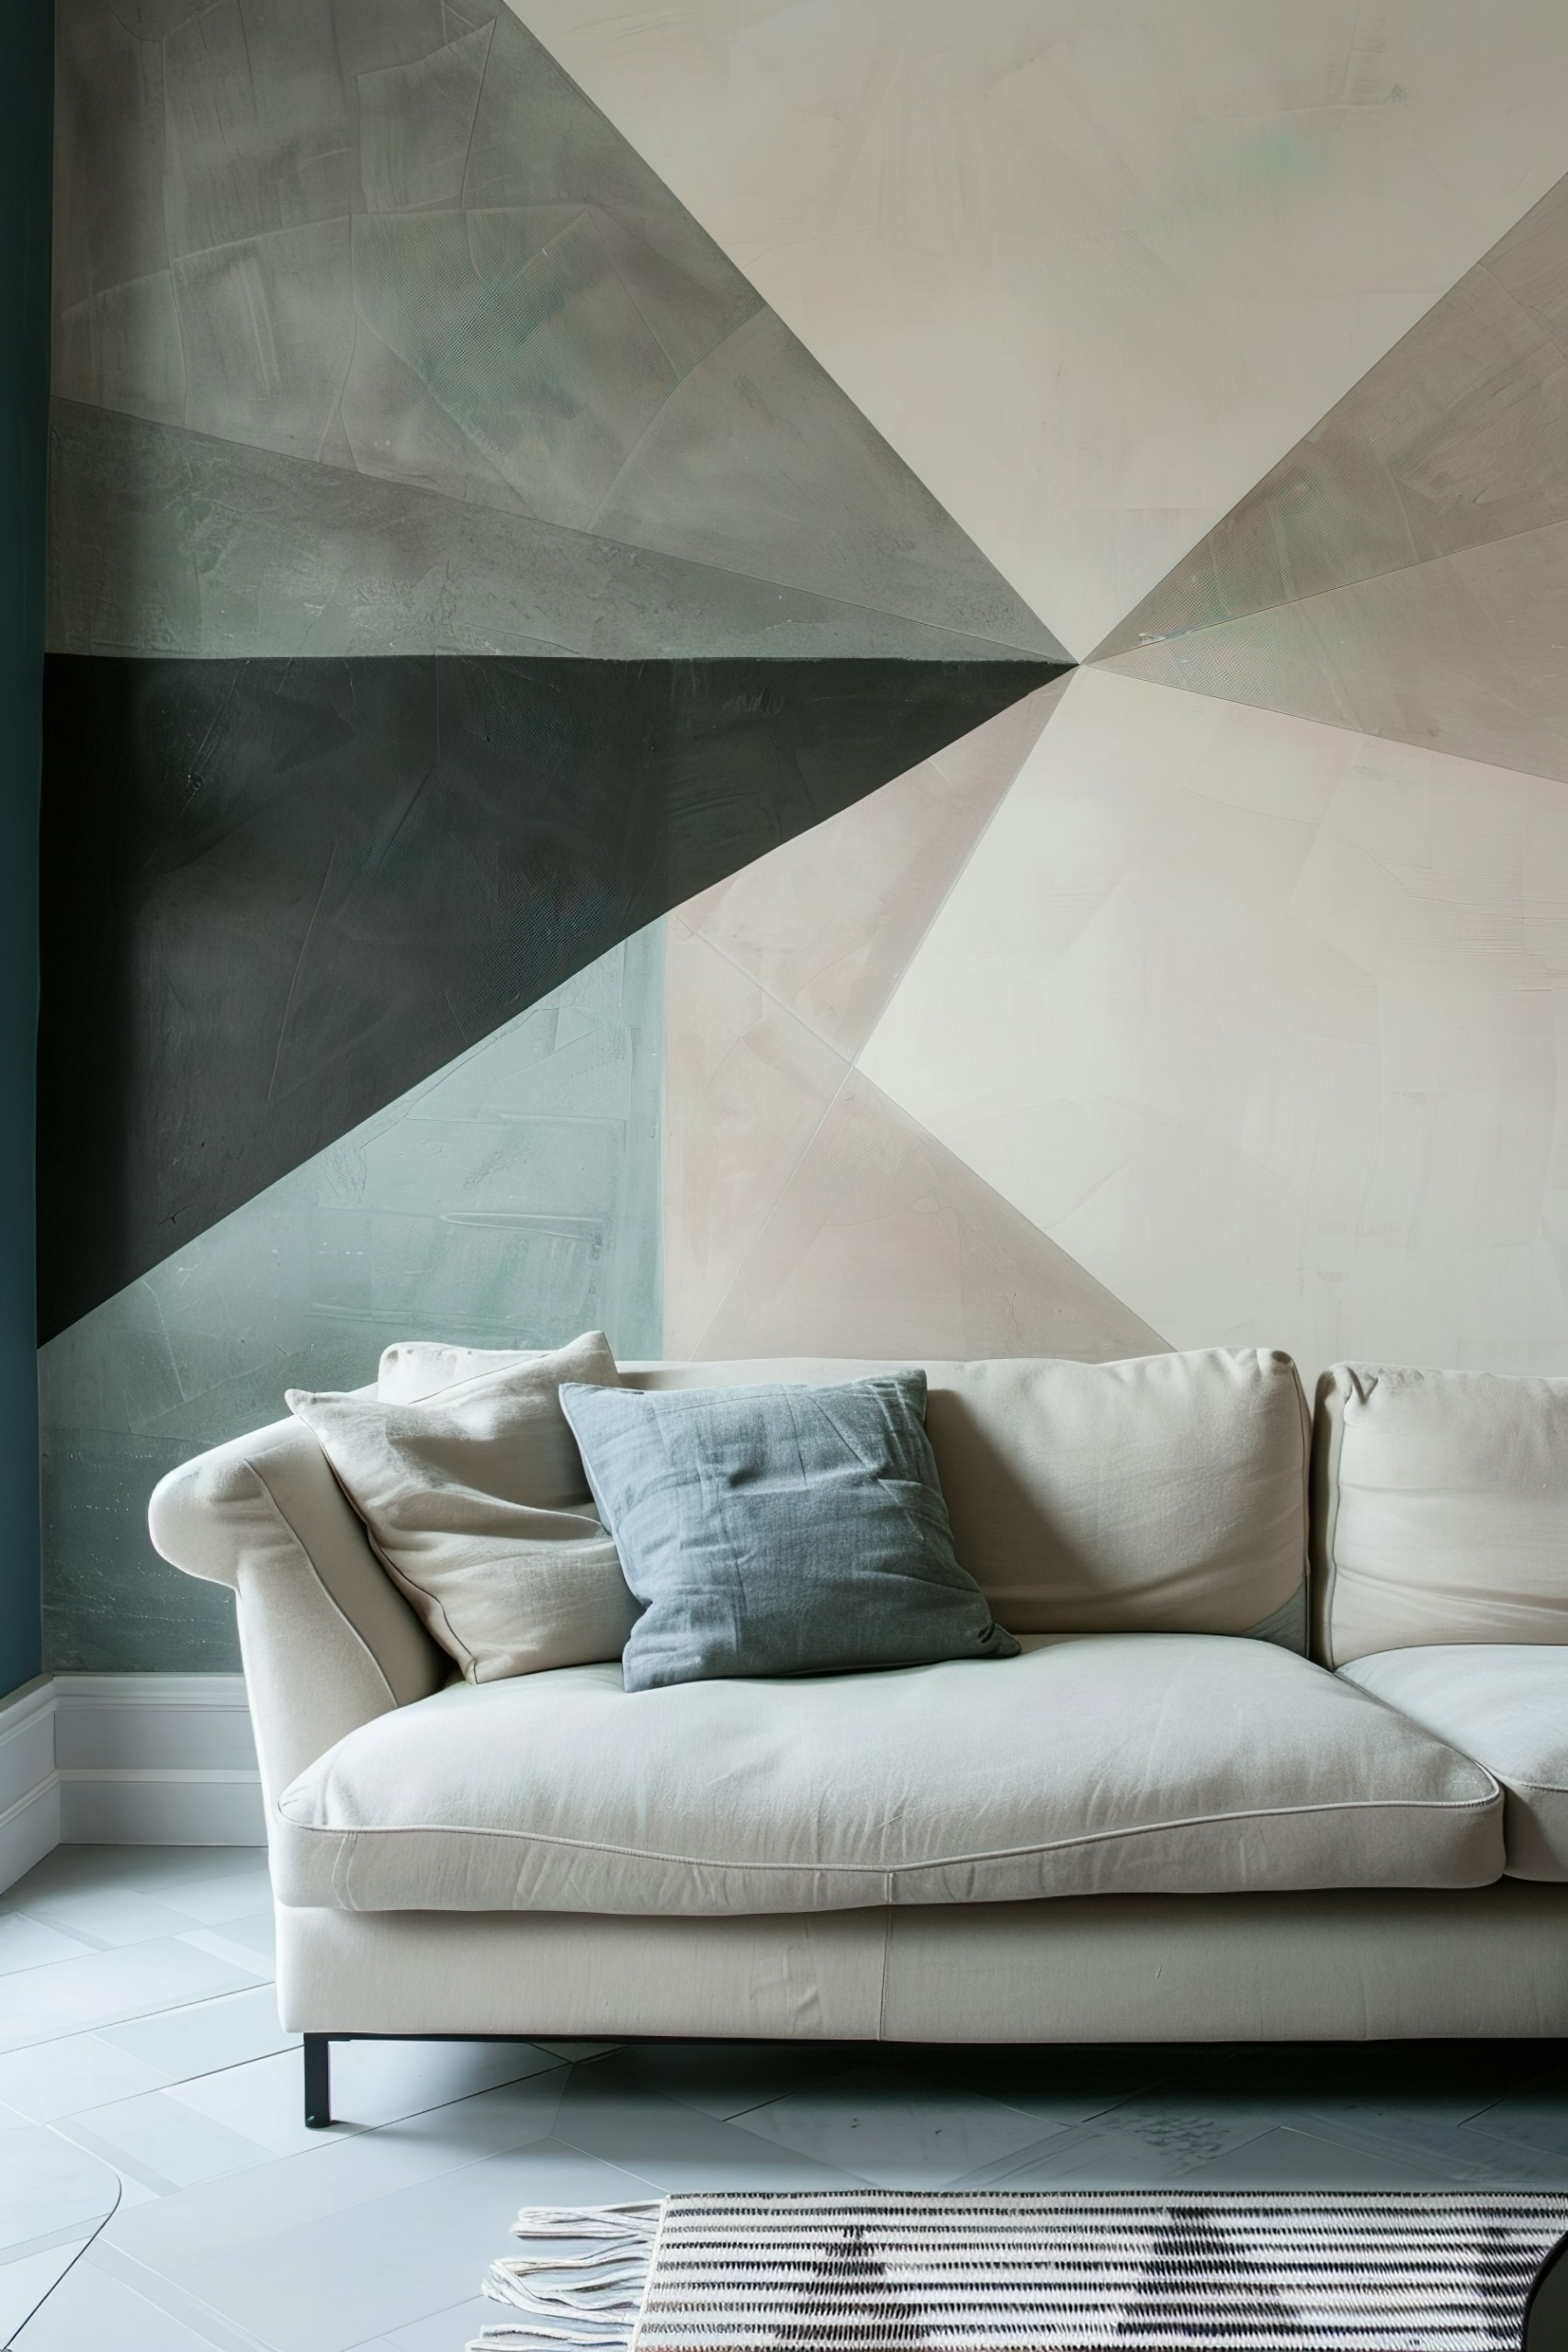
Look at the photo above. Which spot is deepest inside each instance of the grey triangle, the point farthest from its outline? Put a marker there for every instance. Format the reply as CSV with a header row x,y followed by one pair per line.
x,y
1454,441
429,264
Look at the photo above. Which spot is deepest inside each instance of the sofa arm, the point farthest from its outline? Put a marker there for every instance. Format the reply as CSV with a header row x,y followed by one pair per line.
x,y
328,1640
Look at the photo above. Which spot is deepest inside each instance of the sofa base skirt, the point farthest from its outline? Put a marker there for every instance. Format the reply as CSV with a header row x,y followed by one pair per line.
x,y
1318,1967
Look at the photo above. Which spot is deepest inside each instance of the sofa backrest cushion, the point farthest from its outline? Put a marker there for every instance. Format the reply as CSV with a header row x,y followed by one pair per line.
x,y
1163,1494
1439,1509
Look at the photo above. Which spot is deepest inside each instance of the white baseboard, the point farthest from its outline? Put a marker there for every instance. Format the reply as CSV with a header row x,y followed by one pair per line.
x,y
128,1808
145,1759
29,1790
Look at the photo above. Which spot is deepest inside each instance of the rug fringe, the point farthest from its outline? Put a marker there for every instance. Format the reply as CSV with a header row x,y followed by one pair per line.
x,y
592,2299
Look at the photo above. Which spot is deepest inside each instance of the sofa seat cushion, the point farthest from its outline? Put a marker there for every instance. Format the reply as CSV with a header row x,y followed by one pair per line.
x,y
1103,1763
1505,1703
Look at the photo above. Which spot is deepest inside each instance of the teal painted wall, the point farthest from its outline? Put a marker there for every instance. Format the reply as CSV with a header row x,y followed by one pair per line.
x,y
25,53
511,1200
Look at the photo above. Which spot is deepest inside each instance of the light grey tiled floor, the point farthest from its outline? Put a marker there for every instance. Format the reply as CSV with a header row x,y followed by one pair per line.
x,y
140,2060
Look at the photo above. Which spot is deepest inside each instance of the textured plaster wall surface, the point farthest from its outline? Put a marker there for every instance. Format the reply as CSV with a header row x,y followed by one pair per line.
x,y
24,387
1404,569
373,336
1091,266
1217,994
803,1211
1267,1023
511,1200
1251,1006
376,345
276,894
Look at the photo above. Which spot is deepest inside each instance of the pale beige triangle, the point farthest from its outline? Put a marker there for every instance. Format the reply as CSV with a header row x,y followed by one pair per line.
x,y
1265,1022
745,1085
1088,272
775,977
882,1243
827,923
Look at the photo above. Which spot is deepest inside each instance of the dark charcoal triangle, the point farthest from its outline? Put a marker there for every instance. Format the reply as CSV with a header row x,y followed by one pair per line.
x,y
275,894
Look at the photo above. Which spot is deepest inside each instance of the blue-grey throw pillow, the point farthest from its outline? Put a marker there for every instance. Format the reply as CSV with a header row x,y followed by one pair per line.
x,y
779,1530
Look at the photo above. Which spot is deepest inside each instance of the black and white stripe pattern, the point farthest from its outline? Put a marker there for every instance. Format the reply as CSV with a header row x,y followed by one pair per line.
x,y
1036,2271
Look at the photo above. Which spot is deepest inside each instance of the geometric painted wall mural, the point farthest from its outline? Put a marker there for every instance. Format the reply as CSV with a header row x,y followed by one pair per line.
x,y
1090,269
804,1213
510,1197
172,541
565,802
1264,1022
1403,571
455,563
373,336
277,894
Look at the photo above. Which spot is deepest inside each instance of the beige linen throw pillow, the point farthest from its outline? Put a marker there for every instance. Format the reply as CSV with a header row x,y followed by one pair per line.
x,y
475,1501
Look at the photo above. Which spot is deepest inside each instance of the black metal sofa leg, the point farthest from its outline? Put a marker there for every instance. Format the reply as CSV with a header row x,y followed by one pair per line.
x,y
318,2081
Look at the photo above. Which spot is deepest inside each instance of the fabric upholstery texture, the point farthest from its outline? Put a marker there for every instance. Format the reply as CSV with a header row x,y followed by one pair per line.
x,y
1143,1763
1368,1964
1326,1967
347,1697
475,1500
1439,1509
1165,1494
780,1529
1506,1705
327,1638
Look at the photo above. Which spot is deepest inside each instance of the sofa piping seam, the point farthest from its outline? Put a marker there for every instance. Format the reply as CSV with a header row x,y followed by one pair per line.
x,y
938,1861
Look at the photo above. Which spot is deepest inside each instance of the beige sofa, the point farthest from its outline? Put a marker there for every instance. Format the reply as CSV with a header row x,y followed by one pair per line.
x,y
1165,1820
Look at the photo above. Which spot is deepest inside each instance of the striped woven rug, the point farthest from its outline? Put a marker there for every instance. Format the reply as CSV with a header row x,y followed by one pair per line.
x,y
1048,2271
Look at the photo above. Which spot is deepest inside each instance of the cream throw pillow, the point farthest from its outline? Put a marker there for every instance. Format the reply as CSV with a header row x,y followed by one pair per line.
x,y
475,1501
